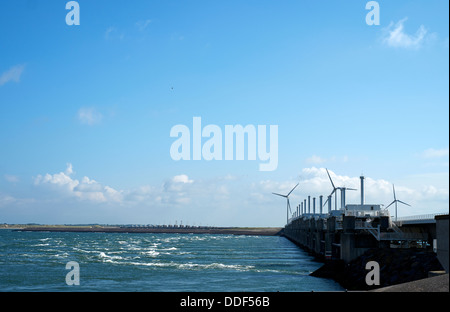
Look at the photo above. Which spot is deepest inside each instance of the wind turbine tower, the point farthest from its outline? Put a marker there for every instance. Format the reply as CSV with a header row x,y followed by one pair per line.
x,y
342,189
395,201
288,205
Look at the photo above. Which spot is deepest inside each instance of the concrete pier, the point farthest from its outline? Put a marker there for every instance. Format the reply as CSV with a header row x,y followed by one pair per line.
x,y
347,233
442,240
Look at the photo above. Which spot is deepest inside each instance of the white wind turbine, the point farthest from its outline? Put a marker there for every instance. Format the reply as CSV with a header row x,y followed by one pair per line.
x,y
342,188
288,205
395,201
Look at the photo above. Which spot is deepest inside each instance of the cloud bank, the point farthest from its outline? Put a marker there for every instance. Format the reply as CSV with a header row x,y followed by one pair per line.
x,y
221,201
85,189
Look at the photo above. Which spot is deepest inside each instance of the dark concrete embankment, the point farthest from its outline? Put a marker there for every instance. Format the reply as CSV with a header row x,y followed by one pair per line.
x,y
396,266
432,284
226,230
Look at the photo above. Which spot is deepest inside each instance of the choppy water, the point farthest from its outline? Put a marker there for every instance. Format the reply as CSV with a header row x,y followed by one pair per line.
x,y
36,261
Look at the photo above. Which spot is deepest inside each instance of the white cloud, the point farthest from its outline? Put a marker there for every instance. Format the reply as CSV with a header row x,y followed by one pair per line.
x,y
86,189
181,179
88,186
436,158
435,153
143,194
61,179
113,33
13,74
6,199
178,190
113,194
108,31
395,36
142,25
69,169
89,116
11,178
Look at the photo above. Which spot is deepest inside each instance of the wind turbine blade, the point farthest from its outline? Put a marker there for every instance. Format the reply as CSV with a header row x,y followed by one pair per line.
x,y
393,188
351,189
404,203
292,189
390,204
325,202
330,179
279,195
289,205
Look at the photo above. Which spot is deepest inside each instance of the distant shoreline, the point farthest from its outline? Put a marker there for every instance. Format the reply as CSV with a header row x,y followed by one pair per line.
x,y
257,231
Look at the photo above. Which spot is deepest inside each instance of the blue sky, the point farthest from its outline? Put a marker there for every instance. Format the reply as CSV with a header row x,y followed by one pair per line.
x,y
86,111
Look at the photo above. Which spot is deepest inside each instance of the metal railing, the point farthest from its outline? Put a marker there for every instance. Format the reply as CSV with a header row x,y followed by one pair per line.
x,y
429,216
403,236
374,231
395,227
392,236
399,221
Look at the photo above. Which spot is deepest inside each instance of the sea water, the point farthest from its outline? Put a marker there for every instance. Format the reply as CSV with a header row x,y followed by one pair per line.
x,y
36,261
